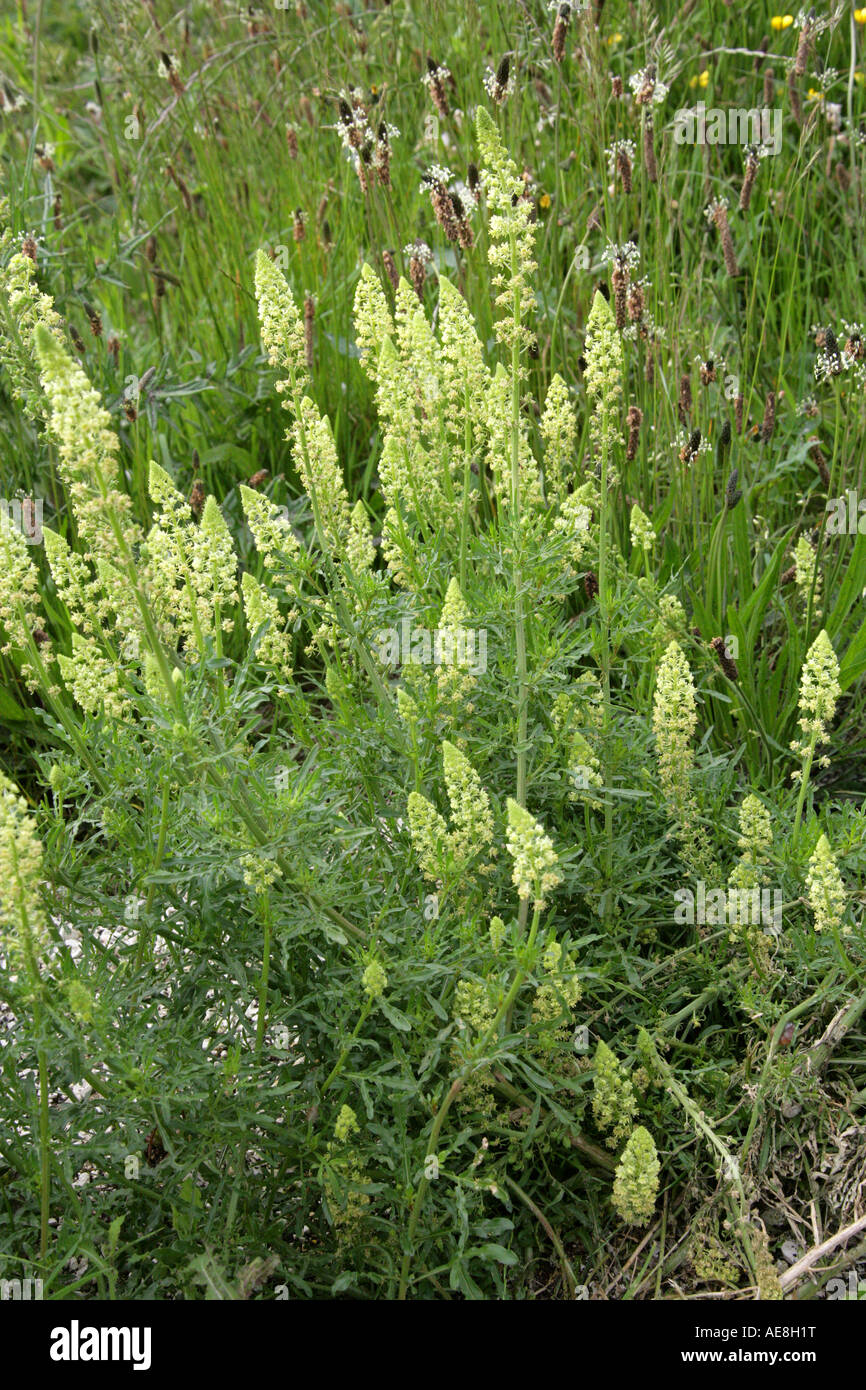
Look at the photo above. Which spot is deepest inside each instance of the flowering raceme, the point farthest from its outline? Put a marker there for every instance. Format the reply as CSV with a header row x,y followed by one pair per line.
x,y
756,840
675,719
637,1178
827,894
471,816
260,607
281,325
454,678
93,679
20,613
613,1099
20,875
471,832
191,568
819,692
29,307
512,236
535,870
603,375
559,431
87,450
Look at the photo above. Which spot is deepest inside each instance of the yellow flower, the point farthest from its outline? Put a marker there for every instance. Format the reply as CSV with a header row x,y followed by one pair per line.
x,y
781,21
860,16
614,38
702,80
814,95
544,201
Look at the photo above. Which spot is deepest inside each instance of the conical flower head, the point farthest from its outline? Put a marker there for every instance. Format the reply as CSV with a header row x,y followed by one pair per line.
x,y
454,677
20,613
642,530
826,887
465,376
471,816
637,1179
613,1099
281,324
373,321
21,913
360,549
559,431
215,561
28,307
316,461
819,692
512,235
603,352
675,715
534,873
275,540
87,455
428,833
275,646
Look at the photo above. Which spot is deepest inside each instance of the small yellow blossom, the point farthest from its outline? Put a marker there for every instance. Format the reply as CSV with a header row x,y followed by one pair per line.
x,y
781,21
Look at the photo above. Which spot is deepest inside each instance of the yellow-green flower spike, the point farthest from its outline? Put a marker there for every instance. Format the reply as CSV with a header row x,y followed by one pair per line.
x,y
827,895
819,693
282,327
535,871
613,1099
429,835
636,1184
471,816
21,913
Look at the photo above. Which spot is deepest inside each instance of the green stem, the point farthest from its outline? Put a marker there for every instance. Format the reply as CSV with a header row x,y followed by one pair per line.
x,y
567,1271
160,851
44,1147
519,614
604,624
804,783
263,981
338,1065
467,479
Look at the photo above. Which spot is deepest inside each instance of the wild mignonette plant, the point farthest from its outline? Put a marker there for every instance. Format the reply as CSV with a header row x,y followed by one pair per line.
x,y
343,885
